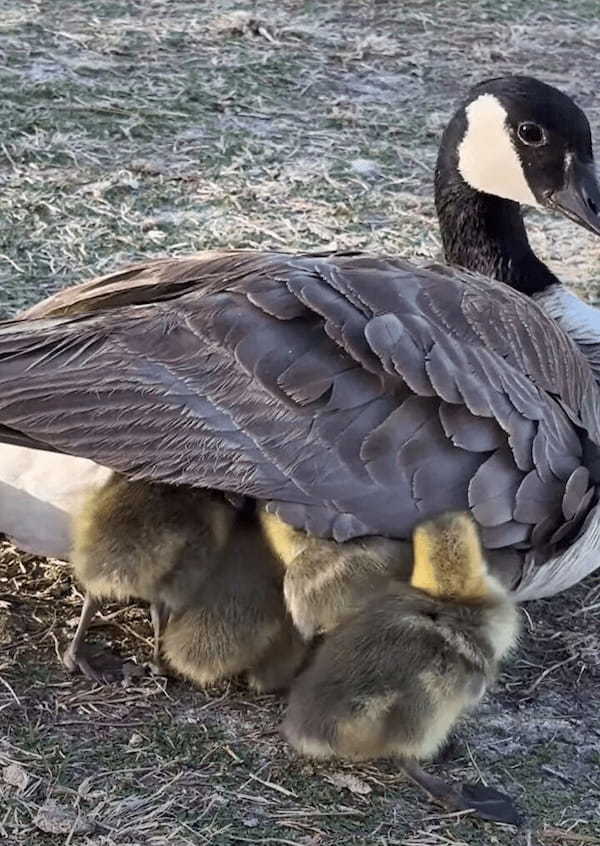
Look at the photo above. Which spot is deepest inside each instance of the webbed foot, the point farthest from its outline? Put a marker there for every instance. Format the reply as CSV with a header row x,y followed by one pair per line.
x,y
484,802
96,664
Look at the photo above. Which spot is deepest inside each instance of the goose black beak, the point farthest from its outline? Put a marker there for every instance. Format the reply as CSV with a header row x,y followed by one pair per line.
x,y
579,198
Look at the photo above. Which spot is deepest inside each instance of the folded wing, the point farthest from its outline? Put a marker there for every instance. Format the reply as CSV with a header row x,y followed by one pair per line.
x,y
355,394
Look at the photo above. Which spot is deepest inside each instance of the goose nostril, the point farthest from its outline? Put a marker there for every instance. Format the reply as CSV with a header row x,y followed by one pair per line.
x,y
593,206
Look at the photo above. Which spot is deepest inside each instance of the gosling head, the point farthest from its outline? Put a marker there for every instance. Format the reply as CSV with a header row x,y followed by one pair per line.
x,y
448,561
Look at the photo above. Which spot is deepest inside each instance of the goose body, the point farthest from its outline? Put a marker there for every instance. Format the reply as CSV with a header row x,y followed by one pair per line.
x,y
354,395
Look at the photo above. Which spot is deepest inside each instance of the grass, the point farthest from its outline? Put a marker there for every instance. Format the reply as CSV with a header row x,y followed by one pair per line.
x,y
134,129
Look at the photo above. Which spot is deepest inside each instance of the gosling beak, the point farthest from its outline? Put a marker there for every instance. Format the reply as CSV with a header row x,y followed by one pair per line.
x,y
579,198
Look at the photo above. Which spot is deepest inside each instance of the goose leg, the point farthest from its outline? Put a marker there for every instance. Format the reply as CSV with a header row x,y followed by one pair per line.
x,y
159,615
78,657
485,802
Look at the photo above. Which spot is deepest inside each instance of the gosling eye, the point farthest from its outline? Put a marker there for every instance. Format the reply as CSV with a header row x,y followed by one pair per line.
x,y
531,134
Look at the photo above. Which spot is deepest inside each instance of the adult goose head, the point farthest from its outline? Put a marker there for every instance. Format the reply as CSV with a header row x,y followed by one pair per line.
x,y
357,395
515,141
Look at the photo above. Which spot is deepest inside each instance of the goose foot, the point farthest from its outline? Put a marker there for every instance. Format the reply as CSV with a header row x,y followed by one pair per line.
x,y
485,802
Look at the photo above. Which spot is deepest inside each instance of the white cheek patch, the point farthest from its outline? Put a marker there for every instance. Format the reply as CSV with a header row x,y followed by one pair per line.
x,y
487,159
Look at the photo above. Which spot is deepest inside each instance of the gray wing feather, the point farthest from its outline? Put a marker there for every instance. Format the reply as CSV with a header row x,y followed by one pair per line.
x,y
507,534
393,342
354,394
474,434
492,489
535,498
575,489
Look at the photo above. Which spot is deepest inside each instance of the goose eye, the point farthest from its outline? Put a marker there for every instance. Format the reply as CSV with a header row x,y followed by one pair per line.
x,y
531,134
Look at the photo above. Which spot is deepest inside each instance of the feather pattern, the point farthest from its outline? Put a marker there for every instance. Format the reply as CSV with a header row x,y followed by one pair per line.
x,y
355,394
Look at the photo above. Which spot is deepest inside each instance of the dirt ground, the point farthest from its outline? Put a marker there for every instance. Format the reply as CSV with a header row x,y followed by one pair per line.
x,y
133,129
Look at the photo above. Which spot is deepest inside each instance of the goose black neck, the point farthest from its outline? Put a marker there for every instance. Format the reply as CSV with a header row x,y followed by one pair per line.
x,y
486,234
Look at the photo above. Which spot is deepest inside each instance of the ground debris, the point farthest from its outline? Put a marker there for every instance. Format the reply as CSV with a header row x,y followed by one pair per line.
x,y
16,776
54,818
165,127
350,782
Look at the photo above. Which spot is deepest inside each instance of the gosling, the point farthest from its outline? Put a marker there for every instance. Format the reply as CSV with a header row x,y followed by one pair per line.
x,y
393,679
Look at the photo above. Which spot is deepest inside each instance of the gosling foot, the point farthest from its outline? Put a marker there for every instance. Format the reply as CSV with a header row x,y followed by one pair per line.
x,y
485,802
158,667
95,664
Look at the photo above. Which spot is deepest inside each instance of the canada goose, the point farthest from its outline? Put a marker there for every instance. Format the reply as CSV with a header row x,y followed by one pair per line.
x,y
353,394
214,587
392,680
506,145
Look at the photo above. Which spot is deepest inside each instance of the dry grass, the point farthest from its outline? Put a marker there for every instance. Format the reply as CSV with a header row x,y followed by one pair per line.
x,y
135,129
139,128
161,762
